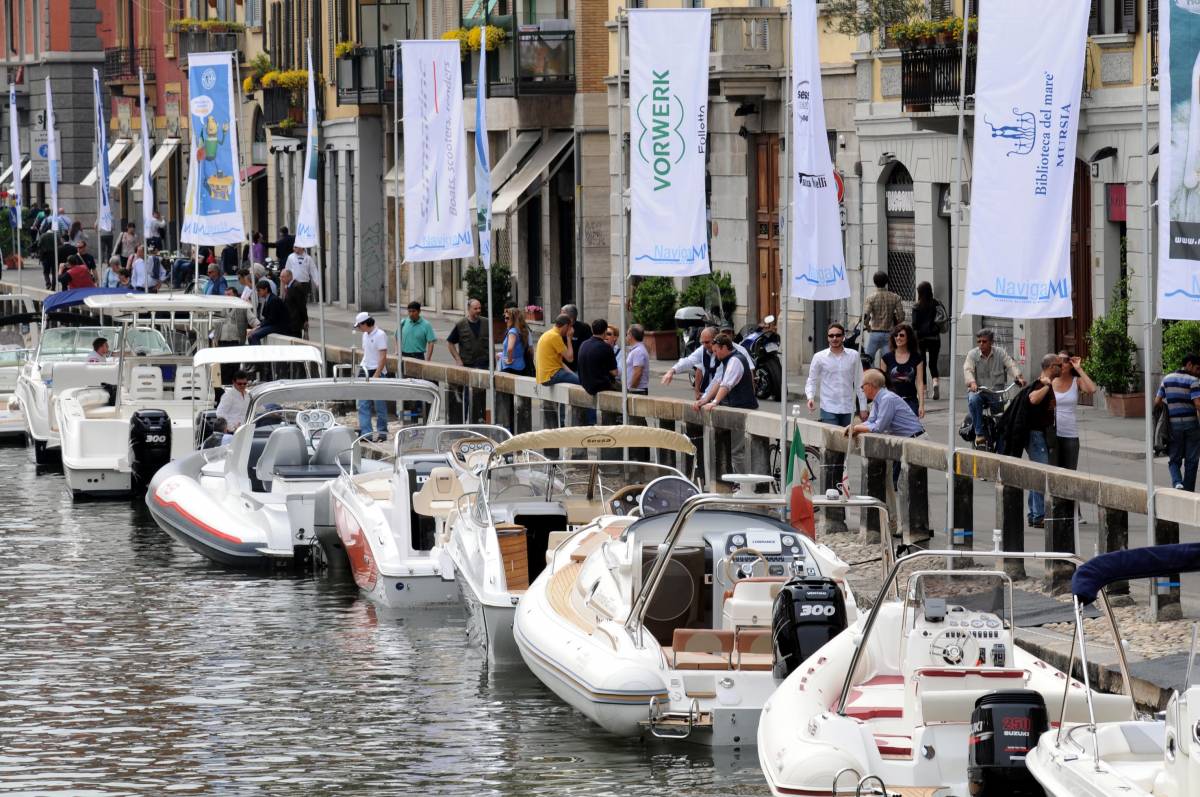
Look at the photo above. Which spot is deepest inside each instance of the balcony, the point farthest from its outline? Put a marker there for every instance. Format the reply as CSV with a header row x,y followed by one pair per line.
x,y
281,111
534,62
929,78
202,41
366,77
121,64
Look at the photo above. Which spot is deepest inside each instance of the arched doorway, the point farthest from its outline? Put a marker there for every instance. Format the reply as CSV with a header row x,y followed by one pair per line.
x,y
901,233
1072,333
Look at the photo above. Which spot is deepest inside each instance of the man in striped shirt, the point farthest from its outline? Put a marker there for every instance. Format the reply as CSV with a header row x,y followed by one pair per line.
x,y
1180,391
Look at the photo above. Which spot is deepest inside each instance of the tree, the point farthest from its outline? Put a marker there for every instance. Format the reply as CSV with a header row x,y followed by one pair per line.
x,y
856,17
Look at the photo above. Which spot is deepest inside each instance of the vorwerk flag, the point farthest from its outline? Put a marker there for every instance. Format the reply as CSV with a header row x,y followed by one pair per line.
x,y
51,158
306,222
1027,90
1179,160
212,212
483,168
437,219
818,262
103,200
668,118
149,229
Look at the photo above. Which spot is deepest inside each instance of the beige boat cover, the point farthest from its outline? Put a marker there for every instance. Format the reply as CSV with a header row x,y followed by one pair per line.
x,y
597,437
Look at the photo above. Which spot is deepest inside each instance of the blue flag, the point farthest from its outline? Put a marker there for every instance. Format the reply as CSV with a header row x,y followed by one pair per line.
x,y
483,169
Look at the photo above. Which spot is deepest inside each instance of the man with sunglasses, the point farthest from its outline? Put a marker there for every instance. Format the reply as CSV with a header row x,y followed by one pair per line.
x,y
833,381
235,402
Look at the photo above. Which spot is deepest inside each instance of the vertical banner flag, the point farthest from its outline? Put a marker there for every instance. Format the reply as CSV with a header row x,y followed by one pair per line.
x,y
1179,160
483,168
668,110
148,226
437,219
1027,88
818,261
212,212
51,157
306,222
14,144
104,217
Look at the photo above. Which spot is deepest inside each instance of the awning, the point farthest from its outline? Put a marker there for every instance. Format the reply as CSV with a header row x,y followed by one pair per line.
x,y
122,172
165,150
115,150
248,174
7,173
25,170
512,157
546,153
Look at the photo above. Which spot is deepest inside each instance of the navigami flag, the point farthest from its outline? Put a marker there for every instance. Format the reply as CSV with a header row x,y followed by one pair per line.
x,y
51,157
668,118
483,168
104,218
306,221
212,212
1027,88
437,218
14,145
148,226
818,261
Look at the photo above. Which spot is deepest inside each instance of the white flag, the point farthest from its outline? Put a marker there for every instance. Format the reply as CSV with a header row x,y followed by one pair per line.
x,y
51,157
1027,88
104,217
148,226
437,219
1179,161
14,144
483,168
212,211
668,118
818,261
306,221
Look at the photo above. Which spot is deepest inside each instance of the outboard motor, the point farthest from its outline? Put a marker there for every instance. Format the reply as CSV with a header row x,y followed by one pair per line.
x,y
1005,725
808,613
149,443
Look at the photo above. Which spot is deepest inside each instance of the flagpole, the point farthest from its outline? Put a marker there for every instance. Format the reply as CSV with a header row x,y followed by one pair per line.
x,y
622,18
396,197
1147,289
955,241
785,260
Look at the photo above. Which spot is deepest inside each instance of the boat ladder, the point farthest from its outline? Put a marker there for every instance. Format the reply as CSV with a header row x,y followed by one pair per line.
x,y
675,725
867,785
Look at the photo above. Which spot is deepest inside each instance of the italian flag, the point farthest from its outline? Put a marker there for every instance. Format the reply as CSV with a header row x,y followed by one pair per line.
x,y
800,512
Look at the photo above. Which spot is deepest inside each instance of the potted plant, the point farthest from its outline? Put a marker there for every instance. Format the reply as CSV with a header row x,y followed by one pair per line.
x,y
1179,339
345,49
476,279
925,32
948,30
699,293
1110,363
973,29
460,35
654,308
901,35
534,312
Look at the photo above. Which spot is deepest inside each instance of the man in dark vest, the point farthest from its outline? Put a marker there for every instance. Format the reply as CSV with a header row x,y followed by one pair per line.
x,y
731,386
468,344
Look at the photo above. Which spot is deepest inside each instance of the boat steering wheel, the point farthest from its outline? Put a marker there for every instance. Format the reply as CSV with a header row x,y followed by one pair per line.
x,y
954,646
730,574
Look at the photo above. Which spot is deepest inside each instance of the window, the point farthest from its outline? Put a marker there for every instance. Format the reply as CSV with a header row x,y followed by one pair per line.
x,y
171,37
254,13
940,9
1113,16
10,19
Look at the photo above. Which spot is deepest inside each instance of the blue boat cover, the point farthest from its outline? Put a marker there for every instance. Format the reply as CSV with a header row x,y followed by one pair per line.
x,y
1153,560
75,296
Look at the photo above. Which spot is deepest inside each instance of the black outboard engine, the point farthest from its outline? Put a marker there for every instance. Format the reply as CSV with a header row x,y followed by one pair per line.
x,y
808,613
1005,726
149,443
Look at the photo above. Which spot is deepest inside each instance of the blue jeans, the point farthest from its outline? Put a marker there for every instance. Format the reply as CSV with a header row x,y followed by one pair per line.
x,y
1036,448
976,401
836,418
877,342
261,332
563,376
1185,449
365,409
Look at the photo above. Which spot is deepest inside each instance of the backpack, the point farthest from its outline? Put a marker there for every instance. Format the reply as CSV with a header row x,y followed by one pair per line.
x,y
941,317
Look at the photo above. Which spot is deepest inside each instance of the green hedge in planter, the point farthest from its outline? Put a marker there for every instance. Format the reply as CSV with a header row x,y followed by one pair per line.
x,y
1179,339
476,279
654,304
1111,363
698,291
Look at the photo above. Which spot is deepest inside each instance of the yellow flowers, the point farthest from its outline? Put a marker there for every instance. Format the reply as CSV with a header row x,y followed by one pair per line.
x,y
469,40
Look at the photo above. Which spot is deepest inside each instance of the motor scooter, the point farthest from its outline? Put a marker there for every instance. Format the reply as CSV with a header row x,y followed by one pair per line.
x,y
764,344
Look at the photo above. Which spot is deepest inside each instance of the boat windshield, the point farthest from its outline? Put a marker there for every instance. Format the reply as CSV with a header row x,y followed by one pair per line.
x,y
439,439
954,592
553,481
75,343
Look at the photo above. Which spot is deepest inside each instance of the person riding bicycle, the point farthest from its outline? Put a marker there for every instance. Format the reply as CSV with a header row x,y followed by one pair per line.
x,y
987,366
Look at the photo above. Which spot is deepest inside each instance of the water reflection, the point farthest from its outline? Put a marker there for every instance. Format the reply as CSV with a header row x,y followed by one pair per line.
x,y
131,665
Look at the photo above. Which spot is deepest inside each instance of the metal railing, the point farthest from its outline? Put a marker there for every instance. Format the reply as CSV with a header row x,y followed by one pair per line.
x,y
366,77
929,77
121,63
207,42
530,62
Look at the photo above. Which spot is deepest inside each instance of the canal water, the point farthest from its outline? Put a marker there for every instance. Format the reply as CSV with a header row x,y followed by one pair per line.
x,y
129,665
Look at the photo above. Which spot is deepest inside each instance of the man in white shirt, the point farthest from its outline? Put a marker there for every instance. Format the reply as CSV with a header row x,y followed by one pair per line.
x,y
138,270
99,351
235,402
374,366
834,379
702,361
303,270
731,386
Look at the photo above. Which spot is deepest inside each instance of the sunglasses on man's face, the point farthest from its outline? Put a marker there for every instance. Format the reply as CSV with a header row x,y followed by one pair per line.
x,y
833,335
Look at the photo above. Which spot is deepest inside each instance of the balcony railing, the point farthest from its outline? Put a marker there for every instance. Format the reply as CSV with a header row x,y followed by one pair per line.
x,y
533,62
121,63
930,77
366,77
280,105
207,42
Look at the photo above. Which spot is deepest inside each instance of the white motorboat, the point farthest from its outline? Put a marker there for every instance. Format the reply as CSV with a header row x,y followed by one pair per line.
x,y
253,501
661,623
906,700
525,504
1151,757
117,435
392,523
60,364
19,325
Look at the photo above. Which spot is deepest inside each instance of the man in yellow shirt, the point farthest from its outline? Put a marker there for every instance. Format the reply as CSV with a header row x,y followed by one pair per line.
x,y
553,349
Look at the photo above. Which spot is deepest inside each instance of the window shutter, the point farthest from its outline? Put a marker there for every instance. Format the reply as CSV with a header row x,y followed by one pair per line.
x,y
273,34
940,9
286,34
1129,16
1094,18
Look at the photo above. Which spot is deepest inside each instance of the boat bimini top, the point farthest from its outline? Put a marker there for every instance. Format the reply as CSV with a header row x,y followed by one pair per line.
x,y
227,355
307,391
128,303
597,437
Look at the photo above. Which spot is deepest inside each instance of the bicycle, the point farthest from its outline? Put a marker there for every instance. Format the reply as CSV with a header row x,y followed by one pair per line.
x,y
992,418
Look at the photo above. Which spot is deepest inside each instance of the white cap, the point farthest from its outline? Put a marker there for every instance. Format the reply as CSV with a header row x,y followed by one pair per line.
x,y
361,318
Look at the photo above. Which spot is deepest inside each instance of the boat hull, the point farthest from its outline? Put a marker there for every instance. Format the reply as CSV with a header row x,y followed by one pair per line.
x,y
97,482
490,626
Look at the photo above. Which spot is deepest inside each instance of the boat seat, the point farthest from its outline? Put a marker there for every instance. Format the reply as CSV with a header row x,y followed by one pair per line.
x,y
753,649
334,447
701,649
439,494
581,510
145,383
66,375
189,383
751,602
285,447
322,472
